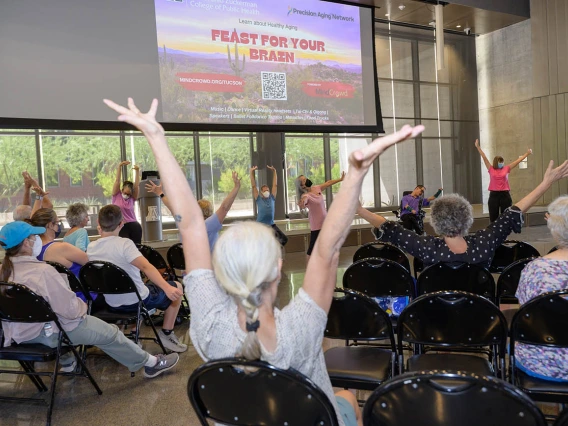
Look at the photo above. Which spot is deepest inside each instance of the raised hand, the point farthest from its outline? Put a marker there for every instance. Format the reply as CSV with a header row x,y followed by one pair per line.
x,y
39,191
136,168
529,152
252,169
236,179
124,163
271,168
477,143
152,187
342,176
362,159
552,175
28,180
145,122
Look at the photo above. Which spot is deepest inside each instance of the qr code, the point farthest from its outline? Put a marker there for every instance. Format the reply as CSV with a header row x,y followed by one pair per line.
x,y
274,86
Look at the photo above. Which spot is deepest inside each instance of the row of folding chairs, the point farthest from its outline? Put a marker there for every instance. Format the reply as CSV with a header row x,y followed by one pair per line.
x,y
450,330
226,392
378,277
506,254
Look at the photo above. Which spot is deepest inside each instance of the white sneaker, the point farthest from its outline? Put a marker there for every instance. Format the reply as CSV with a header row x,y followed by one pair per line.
x,y
171,342
68,368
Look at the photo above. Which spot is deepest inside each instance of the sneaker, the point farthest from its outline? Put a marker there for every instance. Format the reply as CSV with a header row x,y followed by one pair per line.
x,y
171,342
68,368
165,363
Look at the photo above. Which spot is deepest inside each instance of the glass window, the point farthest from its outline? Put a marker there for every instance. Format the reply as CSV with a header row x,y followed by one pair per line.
x,y
18,155
382,52
76,158
403,99
385,95
389,178
220,156
427,61
341,148
401,59
304,156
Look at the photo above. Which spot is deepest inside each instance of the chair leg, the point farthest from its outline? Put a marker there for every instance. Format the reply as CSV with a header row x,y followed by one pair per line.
x,y
149,319
54,381
85,371
35,379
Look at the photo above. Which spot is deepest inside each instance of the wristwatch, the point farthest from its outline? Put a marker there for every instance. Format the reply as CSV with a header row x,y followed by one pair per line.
x,y
39,197
162,195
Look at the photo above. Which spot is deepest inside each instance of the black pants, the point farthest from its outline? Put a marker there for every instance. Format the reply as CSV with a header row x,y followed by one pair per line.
x,y
132,231
498,202
280,236
313,238
410,222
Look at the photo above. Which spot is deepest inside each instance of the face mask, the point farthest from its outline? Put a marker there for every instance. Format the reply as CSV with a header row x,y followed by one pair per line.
x,y
58,232
265,194
125,196
308,183
500,165
36,250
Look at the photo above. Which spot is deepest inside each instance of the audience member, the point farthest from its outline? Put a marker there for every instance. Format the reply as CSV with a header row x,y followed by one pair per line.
x,y
20,265
156,293
232,297
77,216
548,273
265,201
213,220
125,199
451,218
41,200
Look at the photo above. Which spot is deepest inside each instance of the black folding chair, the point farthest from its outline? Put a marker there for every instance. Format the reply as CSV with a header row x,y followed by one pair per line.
x,y
250,393
508,281
511,251
107,278
436,398
358,318
417,266
384,251
457,276
455,323
21,305
542,322
553,249
176,260
155,258
562,419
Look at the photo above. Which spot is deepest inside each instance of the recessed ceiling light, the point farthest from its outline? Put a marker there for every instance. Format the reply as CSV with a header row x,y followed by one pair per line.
x,y
458,26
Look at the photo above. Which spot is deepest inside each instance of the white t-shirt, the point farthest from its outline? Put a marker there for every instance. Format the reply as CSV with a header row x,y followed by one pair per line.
x,y
121,252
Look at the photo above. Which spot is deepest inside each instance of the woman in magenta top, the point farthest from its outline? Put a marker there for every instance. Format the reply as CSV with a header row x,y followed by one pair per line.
x,y
125,199
499,189
314,201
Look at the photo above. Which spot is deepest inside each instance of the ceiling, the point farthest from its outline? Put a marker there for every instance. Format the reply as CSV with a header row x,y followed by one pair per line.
x,y
420,13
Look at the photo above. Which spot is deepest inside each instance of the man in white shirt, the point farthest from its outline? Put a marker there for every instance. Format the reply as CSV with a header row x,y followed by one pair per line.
x,y
156,293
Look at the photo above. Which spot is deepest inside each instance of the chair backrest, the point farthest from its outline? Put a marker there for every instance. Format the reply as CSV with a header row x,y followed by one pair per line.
x,y
457,276
445,398
453,318
384,251
509,279
20,304
104,277
542,321
553,249
74,282
153,256
562,419
511,251
354,316
417,266
175,257
227,393
377,277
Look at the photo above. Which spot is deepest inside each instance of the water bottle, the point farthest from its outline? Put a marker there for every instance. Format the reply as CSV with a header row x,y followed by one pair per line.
x,y
48,329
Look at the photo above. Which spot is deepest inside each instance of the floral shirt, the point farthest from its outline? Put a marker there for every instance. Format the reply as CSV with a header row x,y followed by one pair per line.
x,y
481,246
541,276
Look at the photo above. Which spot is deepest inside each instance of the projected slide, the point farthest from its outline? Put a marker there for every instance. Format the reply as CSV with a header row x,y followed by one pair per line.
x,y
260,62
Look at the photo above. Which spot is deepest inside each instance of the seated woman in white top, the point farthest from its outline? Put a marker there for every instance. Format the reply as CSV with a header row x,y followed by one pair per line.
x,y
232,297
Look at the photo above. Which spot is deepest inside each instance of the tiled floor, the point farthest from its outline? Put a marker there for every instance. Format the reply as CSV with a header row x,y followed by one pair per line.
x,y
161,401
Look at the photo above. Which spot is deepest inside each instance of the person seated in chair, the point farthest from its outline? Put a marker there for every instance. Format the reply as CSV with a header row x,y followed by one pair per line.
x,y
22,244
411,214
156,293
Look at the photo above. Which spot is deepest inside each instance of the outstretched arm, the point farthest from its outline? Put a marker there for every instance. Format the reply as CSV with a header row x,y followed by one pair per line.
x,y
228,201
436,195
374,219
274,181
518,160
186,211
253,183
117,180
333,181
135,191
157,189
550,176
320,278
43,202
483,156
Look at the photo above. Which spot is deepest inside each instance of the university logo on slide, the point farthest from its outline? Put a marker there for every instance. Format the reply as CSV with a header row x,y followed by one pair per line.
x,y
153,215
289,10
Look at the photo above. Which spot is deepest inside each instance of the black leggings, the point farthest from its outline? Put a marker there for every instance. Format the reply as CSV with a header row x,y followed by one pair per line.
x,y
498,202
410,222
132,231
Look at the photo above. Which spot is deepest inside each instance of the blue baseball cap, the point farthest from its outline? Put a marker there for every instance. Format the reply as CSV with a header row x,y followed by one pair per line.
x,y
14,233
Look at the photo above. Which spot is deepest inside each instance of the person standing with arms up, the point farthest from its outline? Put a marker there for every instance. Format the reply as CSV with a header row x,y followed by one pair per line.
x,y
265,201
125,199
499,189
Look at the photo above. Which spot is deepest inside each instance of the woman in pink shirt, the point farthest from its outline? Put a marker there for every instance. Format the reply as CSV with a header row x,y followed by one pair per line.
x,y
499,195
314,201
125,199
